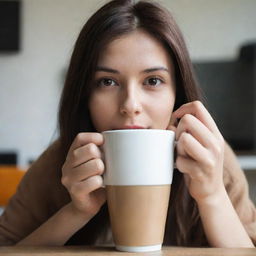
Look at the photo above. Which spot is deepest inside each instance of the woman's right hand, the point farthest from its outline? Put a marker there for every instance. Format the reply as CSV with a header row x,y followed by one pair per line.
x,y
81,174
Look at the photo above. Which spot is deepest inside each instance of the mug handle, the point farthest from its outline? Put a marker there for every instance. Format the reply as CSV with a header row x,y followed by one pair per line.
x,y
175,154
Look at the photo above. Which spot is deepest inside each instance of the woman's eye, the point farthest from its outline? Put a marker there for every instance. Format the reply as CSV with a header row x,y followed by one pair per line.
x,y
153,81
106,82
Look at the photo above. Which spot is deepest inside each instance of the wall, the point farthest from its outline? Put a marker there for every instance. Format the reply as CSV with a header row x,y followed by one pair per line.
x,y
215,29
31,80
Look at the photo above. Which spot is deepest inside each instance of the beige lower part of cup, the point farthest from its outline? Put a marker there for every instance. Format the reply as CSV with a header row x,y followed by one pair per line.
x,y
138,216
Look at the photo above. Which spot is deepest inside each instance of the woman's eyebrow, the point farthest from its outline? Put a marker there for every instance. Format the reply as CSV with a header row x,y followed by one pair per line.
x,y
153,69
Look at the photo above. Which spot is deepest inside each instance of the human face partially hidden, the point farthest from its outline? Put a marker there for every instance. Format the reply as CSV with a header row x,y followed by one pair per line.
x,y
133,85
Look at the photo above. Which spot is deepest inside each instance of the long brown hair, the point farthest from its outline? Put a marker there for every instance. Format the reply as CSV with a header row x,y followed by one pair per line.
x,y
113,20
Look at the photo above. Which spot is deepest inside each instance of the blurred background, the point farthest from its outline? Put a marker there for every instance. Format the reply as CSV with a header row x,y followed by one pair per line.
x,y
36,42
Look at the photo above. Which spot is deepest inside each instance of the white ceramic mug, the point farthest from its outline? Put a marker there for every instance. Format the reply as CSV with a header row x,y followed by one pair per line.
x,y
138,177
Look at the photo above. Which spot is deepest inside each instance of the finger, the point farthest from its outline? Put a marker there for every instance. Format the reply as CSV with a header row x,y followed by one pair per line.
x,y
84,138
192,148
94,167
197,129
180,150
81,189
83,154
197,109
84,171
189,167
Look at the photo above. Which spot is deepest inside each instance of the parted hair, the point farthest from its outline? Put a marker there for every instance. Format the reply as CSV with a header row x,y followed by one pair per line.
x,y
114,19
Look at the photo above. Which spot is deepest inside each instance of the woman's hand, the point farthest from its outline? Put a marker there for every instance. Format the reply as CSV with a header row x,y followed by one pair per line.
x,y
200,154
81,174
200,151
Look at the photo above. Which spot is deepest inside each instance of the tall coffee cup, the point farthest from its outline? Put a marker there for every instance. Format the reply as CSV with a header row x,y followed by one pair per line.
x,y
138,177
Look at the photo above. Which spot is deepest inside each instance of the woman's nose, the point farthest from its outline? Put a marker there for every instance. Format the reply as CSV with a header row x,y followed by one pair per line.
x,y
130,104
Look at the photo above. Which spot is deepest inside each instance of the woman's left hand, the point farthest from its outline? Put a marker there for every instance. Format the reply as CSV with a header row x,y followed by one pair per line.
x,y
200,151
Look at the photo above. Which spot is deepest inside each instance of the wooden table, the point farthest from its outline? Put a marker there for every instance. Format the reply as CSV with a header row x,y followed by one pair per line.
x,y
109,251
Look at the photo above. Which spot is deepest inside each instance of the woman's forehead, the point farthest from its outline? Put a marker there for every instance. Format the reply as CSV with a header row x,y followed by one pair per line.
x,y
137,47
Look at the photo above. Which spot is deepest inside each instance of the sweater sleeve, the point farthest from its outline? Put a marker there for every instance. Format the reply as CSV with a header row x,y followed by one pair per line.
x,y
38,196
237,188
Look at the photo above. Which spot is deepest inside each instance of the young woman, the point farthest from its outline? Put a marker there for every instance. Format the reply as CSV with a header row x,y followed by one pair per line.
x,y
130,69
